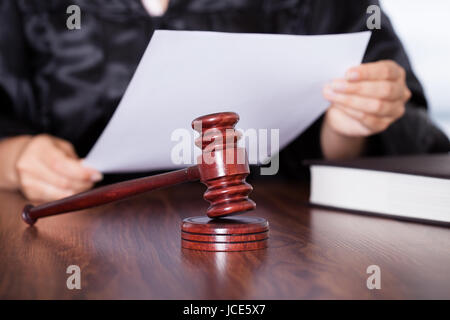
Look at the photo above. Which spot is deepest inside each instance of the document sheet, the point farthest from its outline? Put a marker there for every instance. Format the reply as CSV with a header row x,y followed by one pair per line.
x,y
274,82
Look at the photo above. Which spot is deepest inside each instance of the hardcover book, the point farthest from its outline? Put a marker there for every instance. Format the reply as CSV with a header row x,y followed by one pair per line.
x,y
406,187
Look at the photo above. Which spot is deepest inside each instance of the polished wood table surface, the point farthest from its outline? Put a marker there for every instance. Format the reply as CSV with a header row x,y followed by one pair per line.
x,y
131,250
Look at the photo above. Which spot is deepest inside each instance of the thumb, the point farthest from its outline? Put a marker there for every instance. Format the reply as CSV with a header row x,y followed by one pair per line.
x,y
66,147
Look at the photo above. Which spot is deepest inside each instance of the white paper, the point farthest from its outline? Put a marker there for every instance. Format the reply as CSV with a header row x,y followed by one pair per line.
x,y
271,81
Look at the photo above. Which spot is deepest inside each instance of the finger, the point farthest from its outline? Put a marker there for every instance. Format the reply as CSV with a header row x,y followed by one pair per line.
x,y
376,107
355,114
66,147
373,123
94,171
347,124
41,171
38,190
407,94
387,90
380,70
71,168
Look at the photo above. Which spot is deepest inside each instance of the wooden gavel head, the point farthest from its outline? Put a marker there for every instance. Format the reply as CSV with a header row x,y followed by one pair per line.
x,y
223,166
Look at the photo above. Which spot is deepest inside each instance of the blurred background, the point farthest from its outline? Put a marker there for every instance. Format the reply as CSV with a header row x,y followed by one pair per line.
x,y
423,27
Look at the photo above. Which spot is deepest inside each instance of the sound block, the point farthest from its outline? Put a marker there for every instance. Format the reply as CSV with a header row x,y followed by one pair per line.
x,y
224,234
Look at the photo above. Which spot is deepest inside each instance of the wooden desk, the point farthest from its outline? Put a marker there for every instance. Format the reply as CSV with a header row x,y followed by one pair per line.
x,y
132,250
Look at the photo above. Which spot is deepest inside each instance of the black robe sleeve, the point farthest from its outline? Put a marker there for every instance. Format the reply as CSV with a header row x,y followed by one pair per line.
x,y
16,93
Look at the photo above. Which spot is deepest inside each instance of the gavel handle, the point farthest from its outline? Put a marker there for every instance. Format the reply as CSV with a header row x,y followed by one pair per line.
x,y
108,194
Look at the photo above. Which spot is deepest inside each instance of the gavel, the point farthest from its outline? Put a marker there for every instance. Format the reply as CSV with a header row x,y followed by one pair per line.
x,y
222,167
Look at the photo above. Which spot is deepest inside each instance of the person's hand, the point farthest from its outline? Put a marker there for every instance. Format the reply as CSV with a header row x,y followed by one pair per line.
x,y
49,169
370,98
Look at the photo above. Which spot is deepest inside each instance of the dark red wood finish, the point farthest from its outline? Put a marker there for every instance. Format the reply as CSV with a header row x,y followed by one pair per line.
x,y
223,166
226,237
225,246
108,194
228,225
227,189
131,249
225,234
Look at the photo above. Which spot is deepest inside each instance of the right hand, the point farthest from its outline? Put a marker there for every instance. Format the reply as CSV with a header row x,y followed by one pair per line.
x,y
49,169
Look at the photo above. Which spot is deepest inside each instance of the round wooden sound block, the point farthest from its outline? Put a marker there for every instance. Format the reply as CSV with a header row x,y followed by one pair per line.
x,y
224,234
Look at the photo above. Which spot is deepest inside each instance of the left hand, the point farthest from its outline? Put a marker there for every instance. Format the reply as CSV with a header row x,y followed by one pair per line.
x,y
369,99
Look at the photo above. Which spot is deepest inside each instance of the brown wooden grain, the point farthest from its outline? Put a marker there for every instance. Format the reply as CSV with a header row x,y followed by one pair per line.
x,y
131,249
